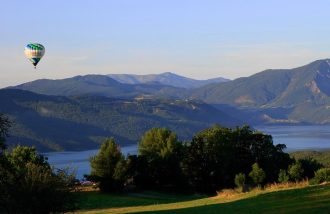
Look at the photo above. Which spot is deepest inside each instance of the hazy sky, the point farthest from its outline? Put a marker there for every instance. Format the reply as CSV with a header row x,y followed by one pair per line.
x,y
199,39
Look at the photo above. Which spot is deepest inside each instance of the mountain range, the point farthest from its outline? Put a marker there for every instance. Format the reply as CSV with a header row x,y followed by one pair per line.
x,y
57,123
299,95
124,106
100,85
165,85
166,78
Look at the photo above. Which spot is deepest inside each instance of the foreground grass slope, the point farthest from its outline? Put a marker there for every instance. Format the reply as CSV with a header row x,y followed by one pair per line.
x,y
306,200
97,200
313,199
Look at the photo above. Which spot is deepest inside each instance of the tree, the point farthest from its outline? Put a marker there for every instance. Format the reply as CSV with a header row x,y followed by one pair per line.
x,y
310,166
209,160
296,171
283,176
158,142
22,155
257,174
215,155
240,181
29,185
160,152
4,127
27,182
109,167
321,175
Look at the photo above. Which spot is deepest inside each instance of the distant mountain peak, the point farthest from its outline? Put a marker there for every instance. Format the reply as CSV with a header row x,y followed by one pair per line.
x,y
299,94
166,78
277,86
168,73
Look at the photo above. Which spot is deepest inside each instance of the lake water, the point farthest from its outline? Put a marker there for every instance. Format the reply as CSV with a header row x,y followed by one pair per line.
x,y
299,137
79,161
295,137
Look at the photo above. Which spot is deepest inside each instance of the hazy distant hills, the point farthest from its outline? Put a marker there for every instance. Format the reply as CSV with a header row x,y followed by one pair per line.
x,y
166,85
167,78
100,85
89,108
78,123
282,96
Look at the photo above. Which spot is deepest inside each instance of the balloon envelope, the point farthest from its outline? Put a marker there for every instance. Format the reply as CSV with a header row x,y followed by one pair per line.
x,y
34,52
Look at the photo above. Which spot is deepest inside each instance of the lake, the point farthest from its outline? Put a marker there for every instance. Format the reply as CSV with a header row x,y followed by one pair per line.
x,y
79,161
299,137
295,137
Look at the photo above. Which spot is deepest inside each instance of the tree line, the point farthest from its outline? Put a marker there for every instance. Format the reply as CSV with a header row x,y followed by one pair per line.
x,y
215,158
28,184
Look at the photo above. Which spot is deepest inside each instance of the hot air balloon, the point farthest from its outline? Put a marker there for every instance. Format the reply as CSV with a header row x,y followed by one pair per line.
x,y
34,52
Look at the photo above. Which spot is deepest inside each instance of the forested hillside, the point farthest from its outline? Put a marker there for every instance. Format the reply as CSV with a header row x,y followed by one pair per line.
x,y
82,122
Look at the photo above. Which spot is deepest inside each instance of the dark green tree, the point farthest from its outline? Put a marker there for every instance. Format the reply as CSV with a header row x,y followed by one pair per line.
x,y
109,167
257,174
160,152
296,171
310,166
29,185
216,155
4,128
283,176
158,142
138,171
21,155
240,181
321,175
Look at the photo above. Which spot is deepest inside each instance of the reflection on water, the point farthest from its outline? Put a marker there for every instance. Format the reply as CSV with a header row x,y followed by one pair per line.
x,y
295,137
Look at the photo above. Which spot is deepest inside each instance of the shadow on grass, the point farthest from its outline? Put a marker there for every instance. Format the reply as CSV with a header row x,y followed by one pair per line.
x,y
307,200
98,200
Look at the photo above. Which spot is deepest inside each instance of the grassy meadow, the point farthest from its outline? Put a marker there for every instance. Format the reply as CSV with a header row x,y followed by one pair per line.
x,y
273,199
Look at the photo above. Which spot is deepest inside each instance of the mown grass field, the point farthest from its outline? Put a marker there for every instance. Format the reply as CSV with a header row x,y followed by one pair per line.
x,y
312,199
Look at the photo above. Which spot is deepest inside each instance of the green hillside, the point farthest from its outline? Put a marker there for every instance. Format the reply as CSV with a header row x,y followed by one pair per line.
x,y
99,85
247,91
322,157
299,95
313,199
79,123
274,96
283,87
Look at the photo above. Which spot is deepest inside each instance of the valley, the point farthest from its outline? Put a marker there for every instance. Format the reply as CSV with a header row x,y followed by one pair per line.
x,y
84,110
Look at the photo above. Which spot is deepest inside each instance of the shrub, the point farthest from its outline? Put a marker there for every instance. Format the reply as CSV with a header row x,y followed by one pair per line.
x,y
257,174
29,185
240,180
296,171
310,166
321,175
283,177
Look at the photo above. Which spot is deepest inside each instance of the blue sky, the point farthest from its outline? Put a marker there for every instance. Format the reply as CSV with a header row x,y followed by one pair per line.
x,y
199,39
